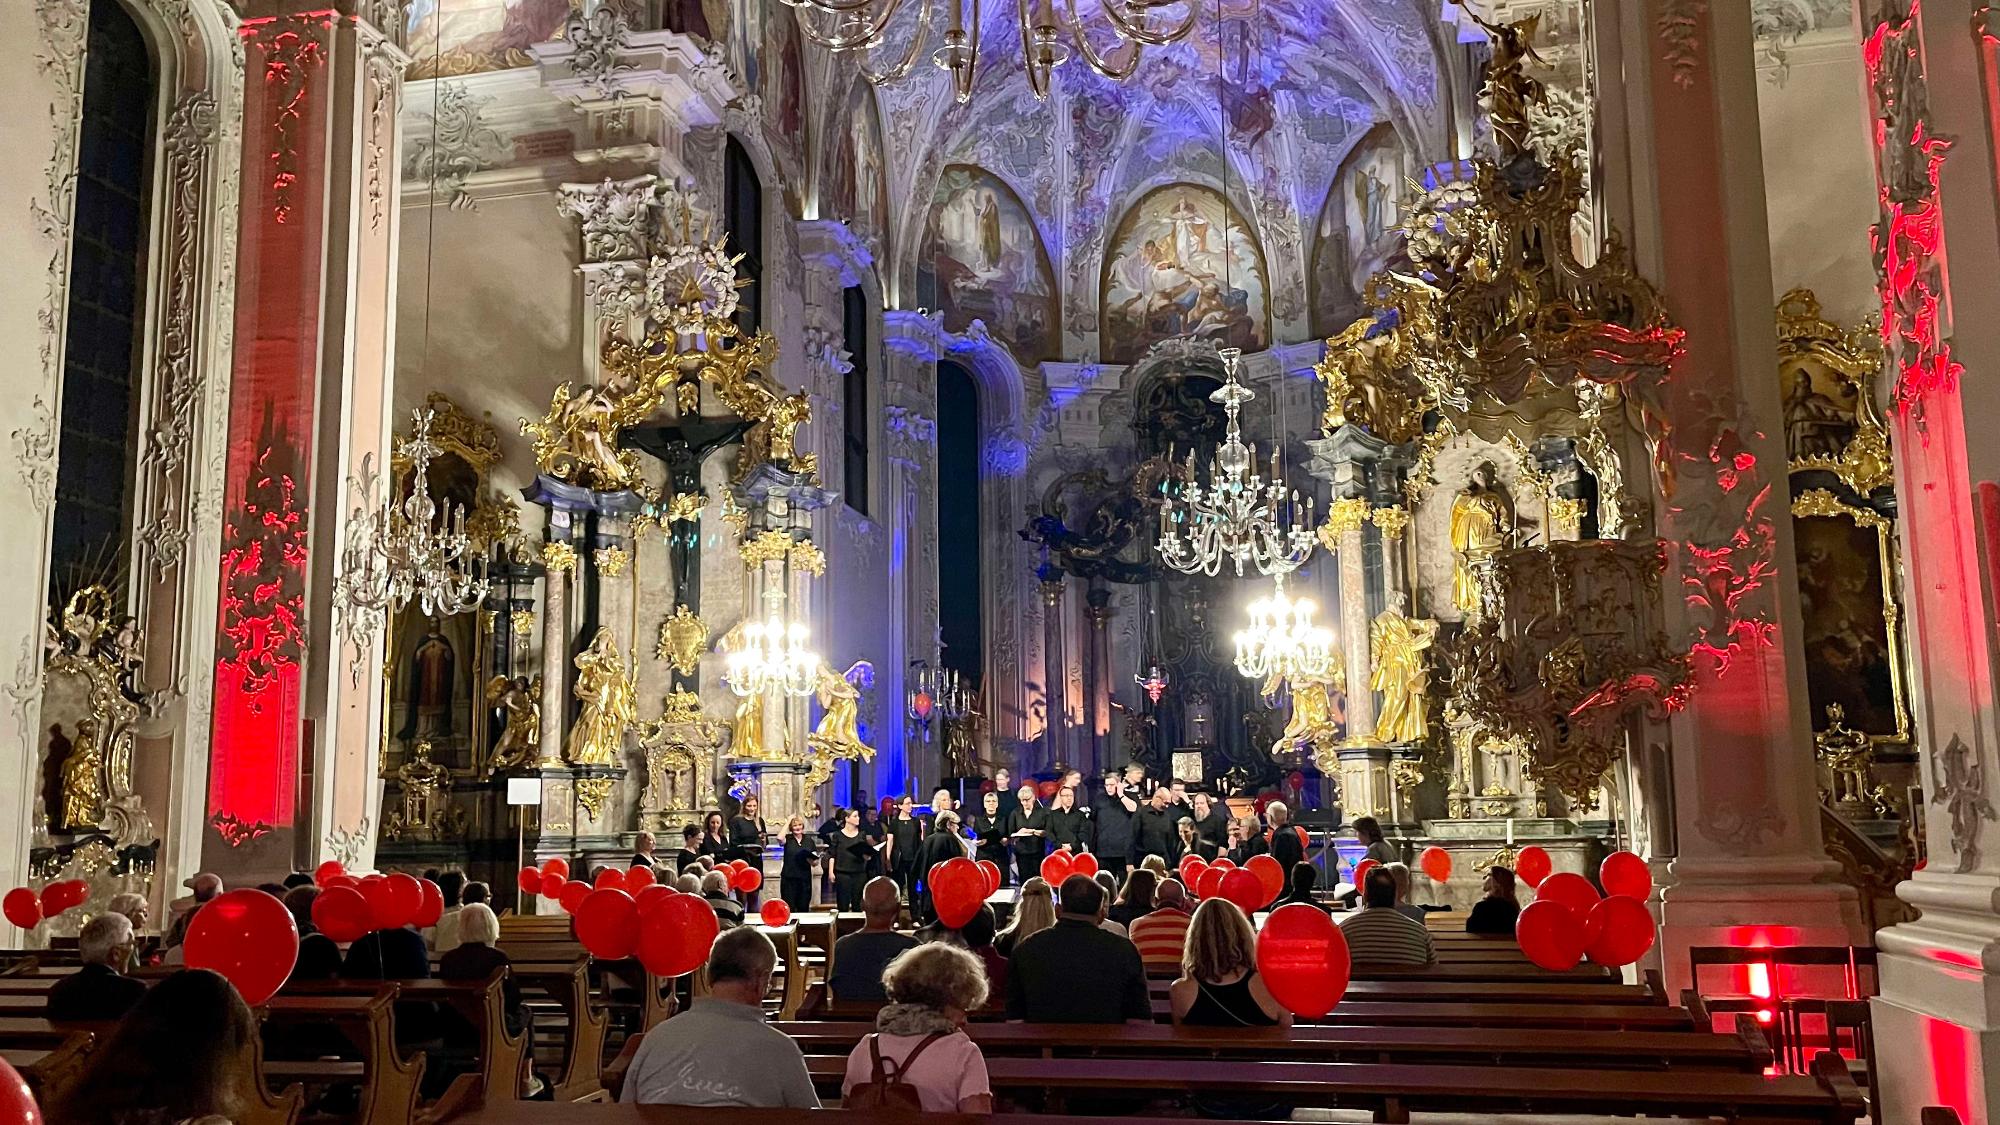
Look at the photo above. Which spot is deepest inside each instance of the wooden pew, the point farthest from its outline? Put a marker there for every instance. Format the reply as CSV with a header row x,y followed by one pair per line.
x,y
567,984
389,1083
501,1054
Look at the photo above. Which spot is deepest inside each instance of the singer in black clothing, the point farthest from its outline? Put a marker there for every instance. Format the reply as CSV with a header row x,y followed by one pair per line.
x,y
1068,826
1027,833
944,843
905,833
1153,829
795,876
989,828
1211,820
852,849
746,841
690,849
1111,824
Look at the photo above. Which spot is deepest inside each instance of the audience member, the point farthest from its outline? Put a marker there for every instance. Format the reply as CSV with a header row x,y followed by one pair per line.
x,y
715,889
1110,888
1285,841
478,956
860,958
1304,880
1401,872
1157,864
319,957
134,907
1379,934
1161,936
642,850
795,869
443,937
920,1038
1074,972
1494,914
184,1053
977,936
1369,833
203,887
298,879
475,892
688,884
942,845
720,1052
1034,911
1219,985
1135,899
398,954
99,990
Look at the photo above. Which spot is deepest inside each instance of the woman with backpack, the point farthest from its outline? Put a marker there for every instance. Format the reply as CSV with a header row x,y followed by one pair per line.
x,y
919,1057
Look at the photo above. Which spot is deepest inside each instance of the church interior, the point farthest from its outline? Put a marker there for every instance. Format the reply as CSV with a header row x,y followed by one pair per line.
x,y
462,435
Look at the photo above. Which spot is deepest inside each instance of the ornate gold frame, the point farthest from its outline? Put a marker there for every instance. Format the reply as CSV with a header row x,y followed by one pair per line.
x,y
1819,502
1854,357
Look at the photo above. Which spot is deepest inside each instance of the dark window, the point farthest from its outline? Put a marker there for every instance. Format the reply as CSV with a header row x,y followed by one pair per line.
x,y
743,197
854,399
106,305
960,621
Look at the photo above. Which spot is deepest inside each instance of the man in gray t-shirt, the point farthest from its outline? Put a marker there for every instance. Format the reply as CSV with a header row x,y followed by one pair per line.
x,y
720,1052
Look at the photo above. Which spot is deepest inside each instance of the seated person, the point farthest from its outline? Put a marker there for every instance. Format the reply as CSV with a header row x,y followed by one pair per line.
x,y
1161,936
1076,972
1494,915
478,956
398,954
319,957
1305,879
920,1036
99,990
860,958
1219,985
720,1052
181,1054
715,890
1379,934
1404,906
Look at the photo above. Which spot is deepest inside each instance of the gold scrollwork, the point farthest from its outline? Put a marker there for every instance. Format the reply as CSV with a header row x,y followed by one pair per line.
x,y
765,547
1392,519
683,636
611,561
685,507
1344,515
807,556
592,793
559,558
1831,420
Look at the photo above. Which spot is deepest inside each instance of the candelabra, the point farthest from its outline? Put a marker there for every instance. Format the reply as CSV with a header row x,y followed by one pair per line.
x,y
1282,639
937,693
1154,683
412,551
1239,516
772,658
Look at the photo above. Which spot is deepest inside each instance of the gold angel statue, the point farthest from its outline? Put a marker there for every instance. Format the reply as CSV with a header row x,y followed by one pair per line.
x,y
1482,521
605,690
521,699
1316,718
839,732
746,737
1397,644
82,784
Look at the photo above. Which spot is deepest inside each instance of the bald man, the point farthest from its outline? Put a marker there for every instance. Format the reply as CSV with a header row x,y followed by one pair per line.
x,y
860,957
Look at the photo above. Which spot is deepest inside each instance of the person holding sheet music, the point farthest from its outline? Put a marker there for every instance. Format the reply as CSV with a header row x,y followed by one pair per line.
x,y
852,851
989,830
1028,834
795,874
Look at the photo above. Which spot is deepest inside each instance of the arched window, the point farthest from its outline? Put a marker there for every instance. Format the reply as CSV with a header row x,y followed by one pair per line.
x,y
854,416
743,202
100,396
961,622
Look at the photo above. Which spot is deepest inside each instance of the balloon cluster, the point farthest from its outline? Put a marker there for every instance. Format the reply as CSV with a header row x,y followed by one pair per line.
x,y
1252,887
347,907
668,932
1060,865
26,909
1569,921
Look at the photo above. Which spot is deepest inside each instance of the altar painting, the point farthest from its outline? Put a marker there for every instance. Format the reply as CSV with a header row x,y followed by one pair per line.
x,y
1363,207
1183,263
1844,588
985,262
452,37
853,179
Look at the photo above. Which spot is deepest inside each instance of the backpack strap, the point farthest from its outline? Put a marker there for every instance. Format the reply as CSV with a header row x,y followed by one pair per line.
x,y
910,1059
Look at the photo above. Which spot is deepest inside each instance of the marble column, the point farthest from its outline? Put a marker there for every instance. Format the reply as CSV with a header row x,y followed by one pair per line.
x,y
1931,76
1684,180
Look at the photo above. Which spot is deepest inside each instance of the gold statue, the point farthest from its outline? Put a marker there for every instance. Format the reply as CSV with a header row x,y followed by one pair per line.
x,y
1509,91
521,699
605,690
746,737
577,441
1314,720
423,783
1482,521
839,731
82,785
1397,644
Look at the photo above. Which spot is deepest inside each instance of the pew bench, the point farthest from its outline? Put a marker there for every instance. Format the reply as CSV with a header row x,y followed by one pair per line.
x,y
499,1055
388,1085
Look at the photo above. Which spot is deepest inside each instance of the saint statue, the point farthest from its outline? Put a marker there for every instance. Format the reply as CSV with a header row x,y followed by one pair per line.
x,y
746,732
1397,644
521,700
838,734
82,787
608,705
1316,719
424,783
1482,521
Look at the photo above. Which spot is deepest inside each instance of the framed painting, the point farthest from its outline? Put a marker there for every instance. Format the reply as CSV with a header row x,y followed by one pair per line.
x,y
1852,621
1183,263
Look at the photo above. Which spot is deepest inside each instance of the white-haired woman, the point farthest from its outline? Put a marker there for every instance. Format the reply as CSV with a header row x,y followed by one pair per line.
x,y
477,956
920,1034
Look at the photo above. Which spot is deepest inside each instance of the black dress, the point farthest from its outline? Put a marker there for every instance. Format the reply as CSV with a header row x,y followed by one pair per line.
x,y
795,874
851,856
1029,850
906,832
746,842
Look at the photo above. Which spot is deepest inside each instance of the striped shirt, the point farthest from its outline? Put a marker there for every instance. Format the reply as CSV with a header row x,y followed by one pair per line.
x,y
1161,936
1380,935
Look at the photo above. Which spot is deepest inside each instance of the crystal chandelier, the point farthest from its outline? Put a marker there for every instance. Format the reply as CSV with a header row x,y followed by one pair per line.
x,y
411,551
771,657
1240,517
1282,639
1047,35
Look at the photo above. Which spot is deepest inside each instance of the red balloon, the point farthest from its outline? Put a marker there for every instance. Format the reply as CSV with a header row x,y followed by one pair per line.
x,y
1244,889
1619,931
1533,865
1303,959
656,891
55,899
1270,875
1223,862
327,871
247,936
348,881
530,881
638,879
992,872
22,907
572,894
609,878
1436,863
381,900
1192,859
17,1102
407,895
776,913
552,884
1361,871
675,934
1055,868
1570,889
433,905
342,914
556,865
1550,933
958,887
1191,873
1083,863
1623,873
1210,883
747,880
607,923
737,864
